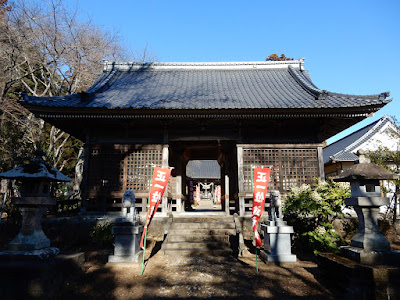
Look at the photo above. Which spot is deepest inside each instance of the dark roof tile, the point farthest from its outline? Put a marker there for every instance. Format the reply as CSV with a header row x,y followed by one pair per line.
x,y
253,85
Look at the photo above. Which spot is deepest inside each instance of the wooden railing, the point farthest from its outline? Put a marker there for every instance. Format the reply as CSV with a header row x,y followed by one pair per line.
x,y
246,204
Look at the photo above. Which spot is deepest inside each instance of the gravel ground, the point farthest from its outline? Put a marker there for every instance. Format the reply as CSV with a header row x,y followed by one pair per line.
x,y
197,277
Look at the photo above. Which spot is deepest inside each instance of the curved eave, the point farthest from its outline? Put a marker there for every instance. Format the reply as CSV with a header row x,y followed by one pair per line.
x,y
319,94
130,113
325,100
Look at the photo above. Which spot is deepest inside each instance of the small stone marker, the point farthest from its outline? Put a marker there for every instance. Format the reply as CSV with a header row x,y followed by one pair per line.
x,y
277,241
127,233
126,244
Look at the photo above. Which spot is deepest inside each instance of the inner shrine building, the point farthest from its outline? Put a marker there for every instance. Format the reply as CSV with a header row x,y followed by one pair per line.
x,y
240,114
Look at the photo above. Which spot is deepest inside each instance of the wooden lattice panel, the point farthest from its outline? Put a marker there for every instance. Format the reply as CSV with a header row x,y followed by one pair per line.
x,y
106,165
139,165
289,166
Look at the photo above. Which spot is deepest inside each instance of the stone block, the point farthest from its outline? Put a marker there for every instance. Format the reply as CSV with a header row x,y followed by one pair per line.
x,y
135,258
360,281
277,242
126,244
39,275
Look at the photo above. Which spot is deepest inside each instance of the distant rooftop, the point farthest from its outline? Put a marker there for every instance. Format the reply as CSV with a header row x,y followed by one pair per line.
x,y
344,149
203,169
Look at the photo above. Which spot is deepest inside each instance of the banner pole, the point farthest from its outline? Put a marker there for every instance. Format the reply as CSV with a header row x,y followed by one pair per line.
x,y
256,262
147,218
144,251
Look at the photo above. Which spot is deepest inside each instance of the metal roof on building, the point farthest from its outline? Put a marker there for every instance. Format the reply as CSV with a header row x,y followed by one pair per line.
x,y
343,149
206,86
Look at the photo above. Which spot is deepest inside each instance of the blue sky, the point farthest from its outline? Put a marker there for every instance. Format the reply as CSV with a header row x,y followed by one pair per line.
x,y
350,46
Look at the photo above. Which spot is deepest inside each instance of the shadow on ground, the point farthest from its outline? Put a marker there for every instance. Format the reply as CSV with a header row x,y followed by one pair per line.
x,y
194,277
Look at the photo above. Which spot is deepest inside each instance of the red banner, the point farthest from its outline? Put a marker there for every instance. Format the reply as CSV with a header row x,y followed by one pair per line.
x,y
198,194
218,194
260,186
158,185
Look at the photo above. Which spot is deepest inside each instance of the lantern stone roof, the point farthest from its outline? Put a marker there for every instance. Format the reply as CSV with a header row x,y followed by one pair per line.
x,y
36,169
365,170
276,88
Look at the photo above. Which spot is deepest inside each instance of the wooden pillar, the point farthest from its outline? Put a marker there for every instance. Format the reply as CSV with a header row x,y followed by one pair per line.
x,y
239,150
164,203
321,163
165,155
227,202
179,206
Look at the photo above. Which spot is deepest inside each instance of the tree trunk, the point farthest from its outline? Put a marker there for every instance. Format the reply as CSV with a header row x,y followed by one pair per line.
x,y
396,201
76,188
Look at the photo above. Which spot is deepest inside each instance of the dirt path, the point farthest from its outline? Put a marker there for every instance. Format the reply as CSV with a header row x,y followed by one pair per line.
x,y
168,277
196,277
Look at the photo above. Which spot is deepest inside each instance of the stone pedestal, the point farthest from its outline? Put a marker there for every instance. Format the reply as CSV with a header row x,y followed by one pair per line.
x,y
126,245
31,236
368,246
368,237
277,242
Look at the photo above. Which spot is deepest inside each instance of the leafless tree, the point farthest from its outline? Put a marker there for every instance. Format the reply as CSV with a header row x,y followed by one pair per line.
x,y
45,50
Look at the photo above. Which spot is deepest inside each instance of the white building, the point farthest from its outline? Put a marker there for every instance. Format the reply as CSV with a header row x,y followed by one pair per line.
x,y
341,154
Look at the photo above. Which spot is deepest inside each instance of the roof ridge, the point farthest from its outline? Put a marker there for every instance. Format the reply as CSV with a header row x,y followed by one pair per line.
x,y
101,82
142,66
305,84
373,127
376,121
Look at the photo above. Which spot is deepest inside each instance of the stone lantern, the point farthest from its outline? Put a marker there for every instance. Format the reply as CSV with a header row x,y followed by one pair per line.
x,y
36,178
368,245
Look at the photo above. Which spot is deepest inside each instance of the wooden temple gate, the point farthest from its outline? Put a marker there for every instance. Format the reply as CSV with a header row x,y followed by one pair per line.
x,y
242,114
115,168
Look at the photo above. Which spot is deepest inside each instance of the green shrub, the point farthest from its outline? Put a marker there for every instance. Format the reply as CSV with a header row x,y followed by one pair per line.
x,y
311,211
101,235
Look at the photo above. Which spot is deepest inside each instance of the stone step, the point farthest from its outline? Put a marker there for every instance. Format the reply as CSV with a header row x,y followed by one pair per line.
x,y
205,219
200,234
197,245
199,252
201,231
202,225
198,238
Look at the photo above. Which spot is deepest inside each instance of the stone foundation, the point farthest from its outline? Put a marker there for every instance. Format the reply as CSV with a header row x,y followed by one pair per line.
x,y
37,279
360,281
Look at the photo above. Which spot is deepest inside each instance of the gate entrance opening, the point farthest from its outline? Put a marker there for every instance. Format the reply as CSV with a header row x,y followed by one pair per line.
x,y
203,168
203,179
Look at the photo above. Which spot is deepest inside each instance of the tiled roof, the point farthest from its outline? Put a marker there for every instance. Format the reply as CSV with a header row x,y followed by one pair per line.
x,y
200,169
343,149
201,86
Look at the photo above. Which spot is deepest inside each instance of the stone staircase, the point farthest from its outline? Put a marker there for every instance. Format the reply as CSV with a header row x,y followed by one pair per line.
x,y
198,234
